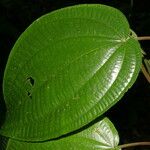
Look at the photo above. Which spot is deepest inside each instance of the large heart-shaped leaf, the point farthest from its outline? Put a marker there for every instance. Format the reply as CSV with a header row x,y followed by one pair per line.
x,y
66,69
101,136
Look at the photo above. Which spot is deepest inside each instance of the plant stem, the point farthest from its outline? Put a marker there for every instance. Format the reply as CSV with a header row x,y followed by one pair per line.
x,y
146,74
134,144
143,38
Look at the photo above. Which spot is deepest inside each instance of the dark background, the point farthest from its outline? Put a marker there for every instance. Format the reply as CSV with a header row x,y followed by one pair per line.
x,y
131,115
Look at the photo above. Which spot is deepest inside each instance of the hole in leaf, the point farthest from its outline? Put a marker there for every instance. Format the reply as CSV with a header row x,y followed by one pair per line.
x,y
31,80
29,94
131,33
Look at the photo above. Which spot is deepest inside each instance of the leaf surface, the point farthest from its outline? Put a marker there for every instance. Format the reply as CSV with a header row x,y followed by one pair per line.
x,y
69,67
100,136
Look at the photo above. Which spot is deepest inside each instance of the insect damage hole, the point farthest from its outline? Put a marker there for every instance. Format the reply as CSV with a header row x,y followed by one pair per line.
x,y
29,94
131,33
31,82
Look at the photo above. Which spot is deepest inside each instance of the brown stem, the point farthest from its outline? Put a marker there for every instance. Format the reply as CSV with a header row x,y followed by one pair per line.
x,y
134,144
141,38
146,74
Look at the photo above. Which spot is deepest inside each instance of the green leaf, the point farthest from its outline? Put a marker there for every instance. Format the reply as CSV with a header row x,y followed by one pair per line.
x,y
100,136
69,67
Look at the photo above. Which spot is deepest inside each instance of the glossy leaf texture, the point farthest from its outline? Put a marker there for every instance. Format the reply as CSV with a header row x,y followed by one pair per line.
x,y
68,67
100,136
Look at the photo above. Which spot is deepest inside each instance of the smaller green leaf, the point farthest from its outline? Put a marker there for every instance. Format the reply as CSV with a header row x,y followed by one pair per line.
x,y
100,136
